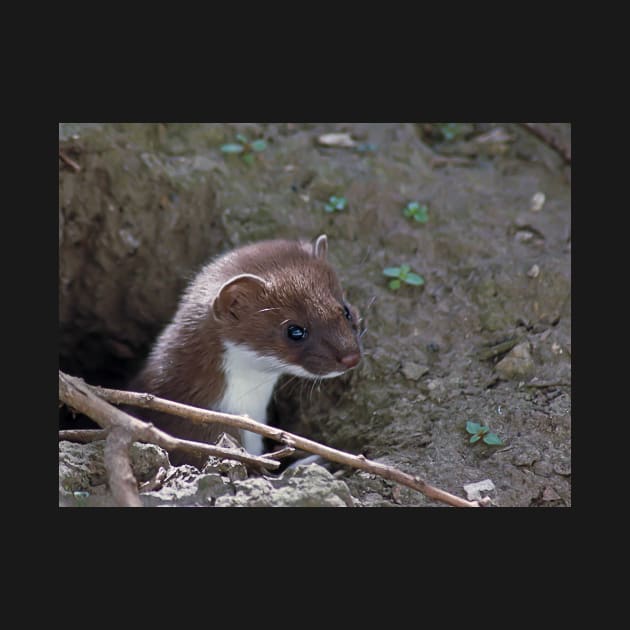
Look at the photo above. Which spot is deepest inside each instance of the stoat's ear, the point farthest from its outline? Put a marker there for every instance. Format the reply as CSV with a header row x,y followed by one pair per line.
x,y
320,247
236,293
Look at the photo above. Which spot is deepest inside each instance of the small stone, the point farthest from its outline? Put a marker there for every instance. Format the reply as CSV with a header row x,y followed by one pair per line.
x,y
549,494
556,348
517,364
537,202
562,468
235,471
336,140
523,236
436,389
414,371
526,456
543,468
473,490
534,272
214,485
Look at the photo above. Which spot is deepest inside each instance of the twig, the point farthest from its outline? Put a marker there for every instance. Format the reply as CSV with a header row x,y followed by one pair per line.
x,y
543,134
155,483
80,396
121,481
499,348
82,435
69,161
283,452
545,384
355,461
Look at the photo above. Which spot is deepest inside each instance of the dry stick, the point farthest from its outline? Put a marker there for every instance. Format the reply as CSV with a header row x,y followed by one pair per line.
x,y
83,436
121,481
203,416
543,134
544,385
283,452
155,483
69,161
80,396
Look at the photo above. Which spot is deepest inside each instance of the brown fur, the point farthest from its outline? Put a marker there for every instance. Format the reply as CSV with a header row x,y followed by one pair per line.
x,y
293,284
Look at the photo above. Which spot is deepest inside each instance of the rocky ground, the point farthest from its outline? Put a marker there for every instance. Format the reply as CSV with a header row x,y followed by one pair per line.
x,y
485,339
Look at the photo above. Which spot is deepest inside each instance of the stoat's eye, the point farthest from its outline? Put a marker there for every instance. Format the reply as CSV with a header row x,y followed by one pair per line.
x,y
296,333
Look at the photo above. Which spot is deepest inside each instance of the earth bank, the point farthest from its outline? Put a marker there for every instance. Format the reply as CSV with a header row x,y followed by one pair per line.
x,y
486,339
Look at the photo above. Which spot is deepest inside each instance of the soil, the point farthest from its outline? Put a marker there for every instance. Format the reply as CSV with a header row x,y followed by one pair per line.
x,y
486,338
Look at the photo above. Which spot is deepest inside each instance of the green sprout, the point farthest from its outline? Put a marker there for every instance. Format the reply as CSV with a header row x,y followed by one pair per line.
x,y
479,432
402,274
245,147
366,147
416,211
449,131
336,203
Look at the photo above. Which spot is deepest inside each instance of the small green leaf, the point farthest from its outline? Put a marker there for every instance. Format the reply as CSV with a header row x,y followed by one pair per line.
x,y
449,130
492,439
232,148
475,438
414,278
421,214
394,284
241,138
404,270
392,272
366,146
258,145
329,208
472,427
340,203
248,158
412,206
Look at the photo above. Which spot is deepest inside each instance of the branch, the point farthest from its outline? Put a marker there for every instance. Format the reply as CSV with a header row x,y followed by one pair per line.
x,y
83,436
121,481
80,396
202,416
69,161
543,134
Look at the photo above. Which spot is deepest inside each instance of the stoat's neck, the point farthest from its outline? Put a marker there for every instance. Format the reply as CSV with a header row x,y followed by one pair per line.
x,y
249,383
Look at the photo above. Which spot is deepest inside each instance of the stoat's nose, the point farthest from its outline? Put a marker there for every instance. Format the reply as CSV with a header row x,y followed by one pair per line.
x,y
350,360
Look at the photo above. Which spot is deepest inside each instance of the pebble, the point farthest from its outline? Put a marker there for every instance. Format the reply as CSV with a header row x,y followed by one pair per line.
x,y
336,140
543,468
414,371
534,272
549,494
473,490
517,363
537,202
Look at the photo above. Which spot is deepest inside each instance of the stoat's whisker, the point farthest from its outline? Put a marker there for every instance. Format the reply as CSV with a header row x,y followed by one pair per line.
x,y
289,380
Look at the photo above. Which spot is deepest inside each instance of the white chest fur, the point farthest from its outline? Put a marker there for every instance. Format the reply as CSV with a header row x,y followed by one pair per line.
x,y
250,379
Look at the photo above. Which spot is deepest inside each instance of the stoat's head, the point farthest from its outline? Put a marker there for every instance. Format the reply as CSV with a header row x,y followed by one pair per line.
x,y
290,309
